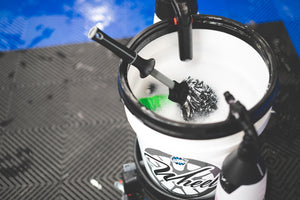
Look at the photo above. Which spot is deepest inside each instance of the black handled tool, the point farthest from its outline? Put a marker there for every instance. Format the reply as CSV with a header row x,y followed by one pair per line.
x,y
192,95
183,20
181,12
145,66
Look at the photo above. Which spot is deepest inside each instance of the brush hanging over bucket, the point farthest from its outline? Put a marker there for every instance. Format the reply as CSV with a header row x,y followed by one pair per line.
x,y
227,56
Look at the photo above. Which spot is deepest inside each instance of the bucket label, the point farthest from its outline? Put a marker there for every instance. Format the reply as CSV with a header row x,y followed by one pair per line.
x,y
182,176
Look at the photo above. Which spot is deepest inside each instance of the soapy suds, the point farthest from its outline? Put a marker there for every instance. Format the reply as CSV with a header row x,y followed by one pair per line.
x,y
173,111
222,61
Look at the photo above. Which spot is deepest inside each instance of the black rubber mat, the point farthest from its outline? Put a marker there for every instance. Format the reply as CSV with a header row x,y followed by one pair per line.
x,y
63,127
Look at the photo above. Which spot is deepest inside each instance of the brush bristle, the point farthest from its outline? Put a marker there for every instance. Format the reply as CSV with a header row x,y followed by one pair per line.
x,y
201,100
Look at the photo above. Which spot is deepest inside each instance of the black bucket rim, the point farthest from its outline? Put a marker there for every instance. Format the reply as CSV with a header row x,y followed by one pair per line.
x,y
192,130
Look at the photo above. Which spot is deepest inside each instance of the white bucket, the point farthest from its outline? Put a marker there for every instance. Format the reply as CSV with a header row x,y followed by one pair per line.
x,y
184,158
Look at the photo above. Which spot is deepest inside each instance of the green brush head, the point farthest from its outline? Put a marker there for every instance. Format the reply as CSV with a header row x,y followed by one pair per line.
x,y
154,102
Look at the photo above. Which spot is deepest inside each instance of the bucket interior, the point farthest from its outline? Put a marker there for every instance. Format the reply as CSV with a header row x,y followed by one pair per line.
x,y
222,61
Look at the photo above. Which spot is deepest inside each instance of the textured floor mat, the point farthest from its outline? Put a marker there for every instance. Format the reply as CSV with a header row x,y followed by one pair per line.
x,y
63,127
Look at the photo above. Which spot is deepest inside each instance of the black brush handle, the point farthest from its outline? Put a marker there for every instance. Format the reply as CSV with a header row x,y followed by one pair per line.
x,y
131,57
183,15
185,43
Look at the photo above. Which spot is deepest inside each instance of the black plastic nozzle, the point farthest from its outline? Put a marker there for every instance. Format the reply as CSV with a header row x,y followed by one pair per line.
x,y
181,11
241,114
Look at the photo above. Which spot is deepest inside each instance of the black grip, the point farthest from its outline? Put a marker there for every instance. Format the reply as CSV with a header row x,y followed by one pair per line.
x,y
144,66
185,42
131,57
183,14
120,50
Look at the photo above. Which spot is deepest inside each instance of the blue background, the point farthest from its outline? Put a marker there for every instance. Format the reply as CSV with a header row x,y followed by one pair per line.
x,y
33,23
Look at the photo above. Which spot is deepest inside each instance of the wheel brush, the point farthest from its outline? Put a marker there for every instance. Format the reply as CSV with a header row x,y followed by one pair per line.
x,y
194,97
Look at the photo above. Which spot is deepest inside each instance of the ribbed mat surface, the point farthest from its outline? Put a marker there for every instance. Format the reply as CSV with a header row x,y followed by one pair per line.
x,y
62,123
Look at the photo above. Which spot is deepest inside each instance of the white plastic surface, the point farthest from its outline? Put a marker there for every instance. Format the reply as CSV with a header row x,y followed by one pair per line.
x,y
246,192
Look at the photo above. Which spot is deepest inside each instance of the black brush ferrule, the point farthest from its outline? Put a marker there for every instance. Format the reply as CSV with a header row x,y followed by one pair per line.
x,y
179,93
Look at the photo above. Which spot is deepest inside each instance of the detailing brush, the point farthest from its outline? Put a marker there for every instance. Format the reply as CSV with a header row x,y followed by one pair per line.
x,y
194,97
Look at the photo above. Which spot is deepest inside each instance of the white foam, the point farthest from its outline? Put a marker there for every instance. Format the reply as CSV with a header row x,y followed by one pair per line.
x,y
222,61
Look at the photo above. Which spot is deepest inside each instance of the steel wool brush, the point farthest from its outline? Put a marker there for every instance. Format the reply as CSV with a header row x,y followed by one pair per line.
x,y
194,97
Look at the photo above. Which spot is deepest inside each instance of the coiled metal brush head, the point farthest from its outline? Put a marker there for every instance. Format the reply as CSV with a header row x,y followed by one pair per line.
x,y
196,98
